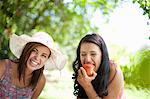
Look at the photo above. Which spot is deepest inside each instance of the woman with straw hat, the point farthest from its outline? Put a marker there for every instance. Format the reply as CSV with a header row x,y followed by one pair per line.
x,y
23,78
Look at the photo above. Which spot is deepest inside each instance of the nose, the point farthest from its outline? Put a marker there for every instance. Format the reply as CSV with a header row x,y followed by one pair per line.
x,y
37,57
88,59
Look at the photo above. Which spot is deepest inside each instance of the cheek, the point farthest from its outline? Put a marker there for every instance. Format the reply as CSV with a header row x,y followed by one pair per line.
x,y
98,62
82,60
44,61
42,64
32,55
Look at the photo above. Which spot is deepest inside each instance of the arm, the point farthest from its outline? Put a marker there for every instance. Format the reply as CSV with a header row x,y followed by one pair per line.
x,y
91,93
39,87
85,81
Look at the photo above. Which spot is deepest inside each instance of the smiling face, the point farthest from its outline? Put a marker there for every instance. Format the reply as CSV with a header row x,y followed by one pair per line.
x,y
39,55
90,53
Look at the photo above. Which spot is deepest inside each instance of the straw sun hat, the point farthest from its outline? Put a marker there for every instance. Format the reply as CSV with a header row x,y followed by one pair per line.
x,y
56,61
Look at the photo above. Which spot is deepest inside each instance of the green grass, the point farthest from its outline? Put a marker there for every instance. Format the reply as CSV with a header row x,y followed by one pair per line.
x,y
60,86
133,93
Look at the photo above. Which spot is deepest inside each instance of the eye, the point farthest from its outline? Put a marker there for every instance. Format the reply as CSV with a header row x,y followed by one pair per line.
x,y
93,54
34,50
83,54
44,56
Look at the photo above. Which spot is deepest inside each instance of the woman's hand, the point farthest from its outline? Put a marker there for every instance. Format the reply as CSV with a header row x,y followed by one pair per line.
x,y
83,79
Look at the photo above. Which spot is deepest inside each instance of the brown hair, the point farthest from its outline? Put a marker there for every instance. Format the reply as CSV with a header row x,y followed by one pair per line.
x,y
23,62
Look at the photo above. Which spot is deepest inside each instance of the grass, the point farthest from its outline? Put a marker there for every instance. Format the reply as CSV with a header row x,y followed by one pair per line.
x,y
133,93
59,85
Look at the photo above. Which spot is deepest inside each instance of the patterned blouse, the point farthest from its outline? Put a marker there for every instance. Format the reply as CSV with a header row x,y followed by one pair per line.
x,y
10,91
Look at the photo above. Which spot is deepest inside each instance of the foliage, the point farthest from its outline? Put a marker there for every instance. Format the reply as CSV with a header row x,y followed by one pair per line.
x,y
66,21
138,74
140,71
145,5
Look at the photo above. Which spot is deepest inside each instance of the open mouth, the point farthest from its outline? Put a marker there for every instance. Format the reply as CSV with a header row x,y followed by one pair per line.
x,y
34,63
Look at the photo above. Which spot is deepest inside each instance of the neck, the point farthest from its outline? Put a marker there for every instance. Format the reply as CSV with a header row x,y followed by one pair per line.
x,y
28,74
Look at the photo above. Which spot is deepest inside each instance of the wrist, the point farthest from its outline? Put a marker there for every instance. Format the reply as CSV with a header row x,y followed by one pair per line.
x,y
88,86
91,93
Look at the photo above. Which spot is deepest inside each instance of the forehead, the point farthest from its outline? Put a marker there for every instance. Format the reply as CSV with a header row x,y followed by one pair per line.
x,y
89,47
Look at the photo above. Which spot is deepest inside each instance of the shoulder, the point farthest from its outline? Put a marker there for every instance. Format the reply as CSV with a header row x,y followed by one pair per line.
x,y
114,67
2,62
115,70
117,83
112,64
2,66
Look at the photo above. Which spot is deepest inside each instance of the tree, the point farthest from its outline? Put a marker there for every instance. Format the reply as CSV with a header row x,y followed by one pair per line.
x,y
145,5
65,21
139,71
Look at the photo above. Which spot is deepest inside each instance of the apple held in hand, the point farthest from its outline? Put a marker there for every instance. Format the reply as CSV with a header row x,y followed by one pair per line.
x,y
89,68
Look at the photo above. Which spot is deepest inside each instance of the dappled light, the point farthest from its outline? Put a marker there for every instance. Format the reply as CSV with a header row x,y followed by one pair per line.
x,y
67,21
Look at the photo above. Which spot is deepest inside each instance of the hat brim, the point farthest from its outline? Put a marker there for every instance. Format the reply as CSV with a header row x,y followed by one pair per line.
x,y
56,61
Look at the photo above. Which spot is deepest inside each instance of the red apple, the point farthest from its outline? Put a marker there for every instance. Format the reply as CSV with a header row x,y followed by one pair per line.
x,y
89,68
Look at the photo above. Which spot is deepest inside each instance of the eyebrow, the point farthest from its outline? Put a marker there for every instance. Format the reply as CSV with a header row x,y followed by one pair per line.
x,y
35,49
90,51
93,51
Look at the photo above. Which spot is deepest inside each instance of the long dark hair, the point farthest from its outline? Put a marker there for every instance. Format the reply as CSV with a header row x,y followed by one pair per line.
x,y
23,61
100,83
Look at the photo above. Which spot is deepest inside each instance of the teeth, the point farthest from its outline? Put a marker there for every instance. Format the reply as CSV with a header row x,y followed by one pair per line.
x,y
34,63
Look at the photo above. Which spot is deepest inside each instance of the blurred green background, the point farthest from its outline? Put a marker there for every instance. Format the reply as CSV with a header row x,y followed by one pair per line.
x,y
67,21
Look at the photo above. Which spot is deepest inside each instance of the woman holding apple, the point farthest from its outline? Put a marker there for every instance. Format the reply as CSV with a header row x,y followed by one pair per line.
x,y
95,76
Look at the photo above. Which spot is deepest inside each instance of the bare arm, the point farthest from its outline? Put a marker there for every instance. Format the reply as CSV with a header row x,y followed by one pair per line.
x,y
39,87
115,89
91,93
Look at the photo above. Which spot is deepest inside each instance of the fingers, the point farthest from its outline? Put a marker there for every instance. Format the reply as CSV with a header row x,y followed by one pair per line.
x,y
82,72
83,78
94,74
80,76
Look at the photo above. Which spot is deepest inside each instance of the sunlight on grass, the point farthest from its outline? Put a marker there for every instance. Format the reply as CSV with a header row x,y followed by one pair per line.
x,y
60,86
137,94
